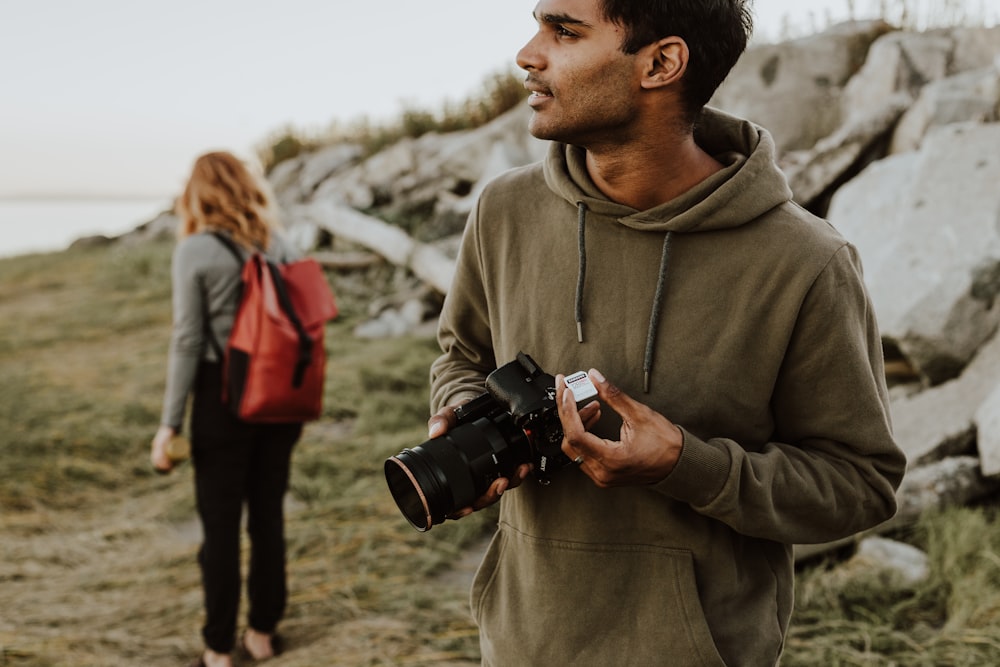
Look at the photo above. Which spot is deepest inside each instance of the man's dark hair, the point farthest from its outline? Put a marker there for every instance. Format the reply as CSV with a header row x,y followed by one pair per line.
x,y
716,32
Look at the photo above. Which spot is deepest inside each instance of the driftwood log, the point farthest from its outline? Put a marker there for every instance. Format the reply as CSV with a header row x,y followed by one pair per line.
x,y
425,261
346,261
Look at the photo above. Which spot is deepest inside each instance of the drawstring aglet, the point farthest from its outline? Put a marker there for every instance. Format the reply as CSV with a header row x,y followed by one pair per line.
x,y
579,332
645,382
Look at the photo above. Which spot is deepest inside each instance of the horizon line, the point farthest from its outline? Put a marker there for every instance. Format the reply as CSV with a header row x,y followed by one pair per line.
x,y
43,195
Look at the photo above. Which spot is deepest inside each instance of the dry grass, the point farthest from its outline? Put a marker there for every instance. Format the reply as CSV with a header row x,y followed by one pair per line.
x,y
97,560
952,618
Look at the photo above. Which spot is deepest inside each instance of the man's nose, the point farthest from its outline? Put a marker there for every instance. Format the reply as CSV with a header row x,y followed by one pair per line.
x,y
529,57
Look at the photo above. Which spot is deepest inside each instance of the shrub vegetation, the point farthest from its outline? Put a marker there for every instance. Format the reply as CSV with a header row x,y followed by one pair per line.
x,y
498,93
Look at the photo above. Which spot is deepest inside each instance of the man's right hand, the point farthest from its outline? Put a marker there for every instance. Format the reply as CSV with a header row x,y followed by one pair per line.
x,y
445,420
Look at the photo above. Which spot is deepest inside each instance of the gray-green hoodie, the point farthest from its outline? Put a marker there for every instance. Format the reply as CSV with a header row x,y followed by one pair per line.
x,y
749,320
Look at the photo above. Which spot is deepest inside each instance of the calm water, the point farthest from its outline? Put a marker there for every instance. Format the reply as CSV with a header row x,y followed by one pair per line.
x,y
45,225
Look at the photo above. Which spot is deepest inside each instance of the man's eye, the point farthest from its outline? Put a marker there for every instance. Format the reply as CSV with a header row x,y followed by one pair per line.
x,y
563,32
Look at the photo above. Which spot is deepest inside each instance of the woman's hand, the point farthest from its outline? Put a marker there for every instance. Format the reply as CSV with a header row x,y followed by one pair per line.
x,y
158,454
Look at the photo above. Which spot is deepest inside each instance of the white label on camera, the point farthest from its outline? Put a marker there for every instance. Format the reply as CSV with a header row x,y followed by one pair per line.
x,y
581,386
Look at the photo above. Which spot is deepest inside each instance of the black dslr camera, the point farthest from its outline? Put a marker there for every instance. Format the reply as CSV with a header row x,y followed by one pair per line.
x,y
514,422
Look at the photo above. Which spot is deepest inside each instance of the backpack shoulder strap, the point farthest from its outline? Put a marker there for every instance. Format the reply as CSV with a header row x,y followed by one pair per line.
x,y
230,246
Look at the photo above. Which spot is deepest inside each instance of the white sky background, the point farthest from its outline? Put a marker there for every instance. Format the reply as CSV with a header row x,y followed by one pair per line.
x,y
120,96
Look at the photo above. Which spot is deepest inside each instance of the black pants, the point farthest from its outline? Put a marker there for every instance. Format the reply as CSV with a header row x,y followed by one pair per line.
x,y
237,462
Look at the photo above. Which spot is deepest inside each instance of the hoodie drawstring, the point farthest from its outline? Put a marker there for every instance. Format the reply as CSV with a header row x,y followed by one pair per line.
x,y
654,315
582,272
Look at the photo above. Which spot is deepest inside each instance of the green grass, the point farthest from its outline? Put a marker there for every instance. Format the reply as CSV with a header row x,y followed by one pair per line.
x,y
81,354
97,564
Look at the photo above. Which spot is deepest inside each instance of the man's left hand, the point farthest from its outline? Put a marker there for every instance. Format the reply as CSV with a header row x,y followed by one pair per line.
x,y
649,447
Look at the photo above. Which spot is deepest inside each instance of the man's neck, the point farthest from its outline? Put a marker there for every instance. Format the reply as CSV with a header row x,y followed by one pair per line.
x,y
644,175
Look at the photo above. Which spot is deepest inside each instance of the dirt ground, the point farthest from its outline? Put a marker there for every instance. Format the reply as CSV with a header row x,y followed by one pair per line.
x,y
118,586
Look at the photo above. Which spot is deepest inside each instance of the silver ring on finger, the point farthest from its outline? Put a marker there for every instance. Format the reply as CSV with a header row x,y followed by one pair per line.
x,y
578,460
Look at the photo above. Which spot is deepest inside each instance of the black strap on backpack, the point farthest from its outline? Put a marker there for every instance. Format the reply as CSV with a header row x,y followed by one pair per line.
x,y
305,342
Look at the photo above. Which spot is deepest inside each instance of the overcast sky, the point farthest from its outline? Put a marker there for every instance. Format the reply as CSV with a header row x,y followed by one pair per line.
x,y
119,96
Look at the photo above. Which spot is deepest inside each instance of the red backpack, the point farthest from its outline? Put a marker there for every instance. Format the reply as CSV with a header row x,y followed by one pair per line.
x,y
274,363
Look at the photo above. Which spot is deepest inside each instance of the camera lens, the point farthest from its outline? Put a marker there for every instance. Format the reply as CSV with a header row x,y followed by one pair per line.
x,y
447,473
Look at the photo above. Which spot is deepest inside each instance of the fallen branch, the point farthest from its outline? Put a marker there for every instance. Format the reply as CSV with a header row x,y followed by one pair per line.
x,y
425,261
346,261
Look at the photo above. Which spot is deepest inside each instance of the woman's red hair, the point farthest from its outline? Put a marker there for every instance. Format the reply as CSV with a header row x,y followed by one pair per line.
x,y
223,194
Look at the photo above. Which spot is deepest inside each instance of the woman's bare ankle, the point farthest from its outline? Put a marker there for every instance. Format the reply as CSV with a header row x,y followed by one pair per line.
x,y
258,644
213,659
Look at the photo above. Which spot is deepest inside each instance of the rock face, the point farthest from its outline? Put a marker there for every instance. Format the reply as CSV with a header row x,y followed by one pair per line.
x,y
436,177
795,88
931,215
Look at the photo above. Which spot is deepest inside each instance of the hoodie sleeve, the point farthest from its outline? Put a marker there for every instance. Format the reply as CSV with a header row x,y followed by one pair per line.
x,y
833,466
464,328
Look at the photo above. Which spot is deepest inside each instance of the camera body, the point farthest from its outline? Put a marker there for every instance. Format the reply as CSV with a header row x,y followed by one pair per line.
x,y
528,394
515,421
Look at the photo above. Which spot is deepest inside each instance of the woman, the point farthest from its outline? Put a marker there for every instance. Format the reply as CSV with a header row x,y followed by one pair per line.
x,y
234,461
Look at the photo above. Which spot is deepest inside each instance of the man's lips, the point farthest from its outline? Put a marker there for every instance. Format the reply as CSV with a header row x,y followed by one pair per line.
x,y
536,99
539,93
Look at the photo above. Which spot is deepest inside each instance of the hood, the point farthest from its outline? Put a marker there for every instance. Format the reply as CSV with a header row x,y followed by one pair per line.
x,y
749,186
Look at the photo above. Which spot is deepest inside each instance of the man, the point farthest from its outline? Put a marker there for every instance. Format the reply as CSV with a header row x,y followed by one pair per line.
x,y
659,244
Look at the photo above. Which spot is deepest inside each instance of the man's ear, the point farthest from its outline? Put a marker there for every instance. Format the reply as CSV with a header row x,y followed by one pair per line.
x,y
666,62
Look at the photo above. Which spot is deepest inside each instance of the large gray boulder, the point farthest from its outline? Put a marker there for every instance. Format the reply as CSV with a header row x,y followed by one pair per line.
x,y
952,75
949,74
967,96
794,88
940,421
435,172
975,47
814,172
899,62
925,223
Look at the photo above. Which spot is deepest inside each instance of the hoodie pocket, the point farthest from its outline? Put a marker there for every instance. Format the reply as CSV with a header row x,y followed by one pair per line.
x,y
543,601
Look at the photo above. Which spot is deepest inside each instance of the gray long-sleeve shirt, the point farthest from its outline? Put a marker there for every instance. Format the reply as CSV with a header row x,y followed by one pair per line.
x,y
206,279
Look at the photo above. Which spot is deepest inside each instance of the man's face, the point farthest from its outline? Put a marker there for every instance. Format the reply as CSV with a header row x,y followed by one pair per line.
x,y
583,87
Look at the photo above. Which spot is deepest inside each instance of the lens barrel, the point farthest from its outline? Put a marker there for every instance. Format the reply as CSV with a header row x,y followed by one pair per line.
x,y
445,474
